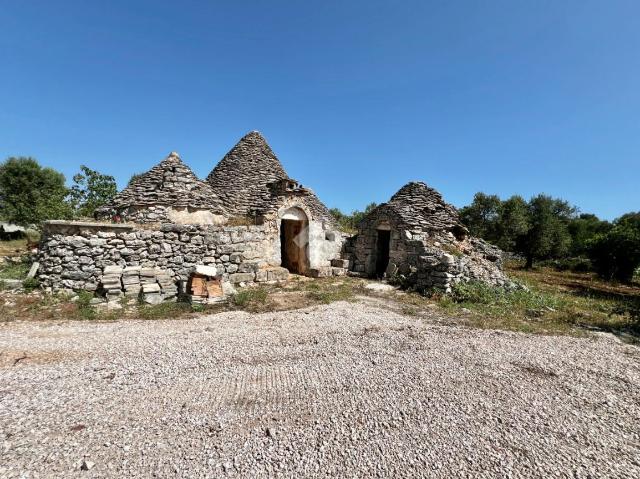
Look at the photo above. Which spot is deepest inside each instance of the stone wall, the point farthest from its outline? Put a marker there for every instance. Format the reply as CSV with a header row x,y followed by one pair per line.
x,y
73,255
165,214
425,259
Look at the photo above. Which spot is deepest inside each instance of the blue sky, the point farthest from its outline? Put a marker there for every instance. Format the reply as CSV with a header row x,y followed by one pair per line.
x,y
356,98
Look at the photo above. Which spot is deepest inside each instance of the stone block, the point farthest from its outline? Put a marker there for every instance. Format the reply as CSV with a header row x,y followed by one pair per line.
x,y
247,267
339,271
113,269
321,272
340,263
151,288
278,274
262,276
241,277
206,270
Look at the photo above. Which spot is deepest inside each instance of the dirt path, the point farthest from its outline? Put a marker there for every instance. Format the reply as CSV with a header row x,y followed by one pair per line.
x,y
348,389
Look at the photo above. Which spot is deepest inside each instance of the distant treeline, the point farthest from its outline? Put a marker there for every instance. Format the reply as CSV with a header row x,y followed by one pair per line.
x,y
546,228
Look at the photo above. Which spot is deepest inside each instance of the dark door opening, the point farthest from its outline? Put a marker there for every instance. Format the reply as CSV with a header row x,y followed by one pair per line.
x,y
382,252
292,246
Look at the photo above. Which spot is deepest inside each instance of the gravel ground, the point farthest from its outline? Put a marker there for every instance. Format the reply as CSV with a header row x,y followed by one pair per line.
x,y
343,390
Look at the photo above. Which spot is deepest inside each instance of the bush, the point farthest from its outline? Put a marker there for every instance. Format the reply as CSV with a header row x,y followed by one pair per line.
x,y
30,284
476,292
83,303
616,254
248,296
576,265
164,310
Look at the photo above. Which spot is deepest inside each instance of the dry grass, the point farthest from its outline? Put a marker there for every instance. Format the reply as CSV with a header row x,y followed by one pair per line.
x,y
13,247
554,303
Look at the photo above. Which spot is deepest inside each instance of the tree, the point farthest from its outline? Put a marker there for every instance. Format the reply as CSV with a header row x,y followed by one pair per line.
x,y
512,223
616,253
349,223
548,234
481,216
30,193
583,229
91,189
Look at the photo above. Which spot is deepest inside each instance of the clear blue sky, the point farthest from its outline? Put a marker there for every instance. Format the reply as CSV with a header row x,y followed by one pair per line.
x,y
356,98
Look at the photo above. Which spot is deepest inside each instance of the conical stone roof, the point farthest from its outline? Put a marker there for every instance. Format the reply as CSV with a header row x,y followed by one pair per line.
x,y
419,206
242,176
245,178
169,183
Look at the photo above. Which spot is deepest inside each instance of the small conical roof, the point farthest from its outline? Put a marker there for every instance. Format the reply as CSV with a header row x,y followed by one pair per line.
x,y
170,183
419,206
242,176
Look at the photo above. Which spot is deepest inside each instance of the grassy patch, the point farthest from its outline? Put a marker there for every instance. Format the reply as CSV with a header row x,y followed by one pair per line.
x,y
251,298
85,309
15,270
330,291
164,310
12,247
555,302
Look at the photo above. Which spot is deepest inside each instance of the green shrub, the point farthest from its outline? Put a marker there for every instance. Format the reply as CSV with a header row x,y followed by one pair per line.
x,y
15,270
476,292
30,284
85,308
164,310
248,296
616,254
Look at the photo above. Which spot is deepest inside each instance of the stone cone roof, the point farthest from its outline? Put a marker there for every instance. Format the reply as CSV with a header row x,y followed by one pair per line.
x,y
245,178
242,176
419,206
170,183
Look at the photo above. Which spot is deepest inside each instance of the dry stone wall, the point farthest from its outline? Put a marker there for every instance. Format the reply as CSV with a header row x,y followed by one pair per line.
x,y
431,259
75,255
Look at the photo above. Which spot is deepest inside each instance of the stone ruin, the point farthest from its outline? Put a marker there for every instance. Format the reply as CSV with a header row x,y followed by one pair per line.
x,y
418,239
249,219
249,222
170,193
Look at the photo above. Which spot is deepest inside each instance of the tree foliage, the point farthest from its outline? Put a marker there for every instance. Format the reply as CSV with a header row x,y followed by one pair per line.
x,y
583,229
30,194
548,233
615,254
537,229
91,190
349,223
482,216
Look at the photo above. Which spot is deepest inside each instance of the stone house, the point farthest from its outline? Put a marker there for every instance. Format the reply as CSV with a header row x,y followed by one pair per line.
x,y
249,219
252,184
418,238
250,222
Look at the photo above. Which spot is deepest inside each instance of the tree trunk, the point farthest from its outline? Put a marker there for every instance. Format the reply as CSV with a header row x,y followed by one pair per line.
x,y
529,263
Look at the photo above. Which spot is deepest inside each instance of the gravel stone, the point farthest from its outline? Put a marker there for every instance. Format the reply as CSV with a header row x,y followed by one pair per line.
x,y
340,390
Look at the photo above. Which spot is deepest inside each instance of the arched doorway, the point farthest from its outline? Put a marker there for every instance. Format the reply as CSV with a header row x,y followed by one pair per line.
x,y
294,240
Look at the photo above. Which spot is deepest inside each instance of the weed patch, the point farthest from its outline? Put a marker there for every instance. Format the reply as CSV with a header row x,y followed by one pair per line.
x,y
250,297
164,311
15,270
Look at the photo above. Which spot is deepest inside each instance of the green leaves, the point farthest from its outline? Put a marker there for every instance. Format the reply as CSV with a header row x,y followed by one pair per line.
x,y
91,190
616,253
30,194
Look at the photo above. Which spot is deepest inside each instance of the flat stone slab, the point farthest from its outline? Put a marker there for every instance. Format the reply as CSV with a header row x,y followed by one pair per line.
x,y
380,287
